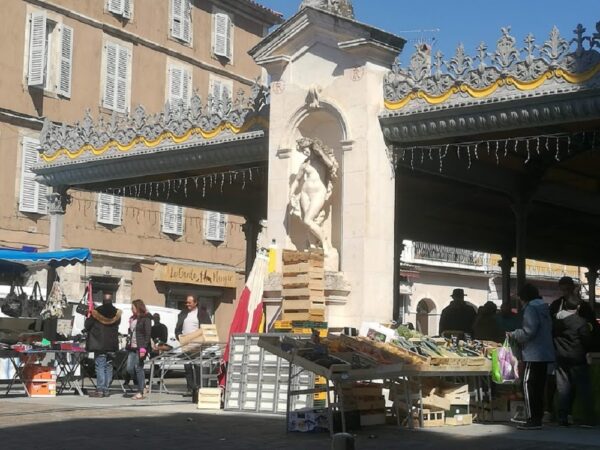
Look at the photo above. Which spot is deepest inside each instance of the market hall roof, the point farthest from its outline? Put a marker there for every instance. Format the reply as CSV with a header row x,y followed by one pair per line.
x,y
513,127
179,142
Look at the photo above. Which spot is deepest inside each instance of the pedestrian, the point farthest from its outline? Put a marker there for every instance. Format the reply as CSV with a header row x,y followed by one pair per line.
x,y
103,339
457,316
537,350
188,331
139,344
485,327
160,333
572,340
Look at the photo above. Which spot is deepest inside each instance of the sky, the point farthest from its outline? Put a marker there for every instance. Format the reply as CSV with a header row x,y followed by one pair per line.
x,y
466,21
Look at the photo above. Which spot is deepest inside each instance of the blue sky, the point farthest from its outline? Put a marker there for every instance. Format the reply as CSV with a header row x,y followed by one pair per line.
x,y
467,21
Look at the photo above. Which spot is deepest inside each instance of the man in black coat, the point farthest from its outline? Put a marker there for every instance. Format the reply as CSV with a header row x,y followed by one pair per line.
x,y
457,316
103,339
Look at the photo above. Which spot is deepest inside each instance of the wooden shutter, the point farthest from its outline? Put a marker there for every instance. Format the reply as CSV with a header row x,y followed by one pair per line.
x,y
32,196
187,21
221,35
110,209
127,9
186,83
124,56
222,227
37,50
66,61
214,226
172,222
175,85
177,18
217,90
116,6
110,75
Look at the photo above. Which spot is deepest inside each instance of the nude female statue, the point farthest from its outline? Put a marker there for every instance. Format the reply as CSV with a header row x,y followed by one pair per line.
x,y
312,188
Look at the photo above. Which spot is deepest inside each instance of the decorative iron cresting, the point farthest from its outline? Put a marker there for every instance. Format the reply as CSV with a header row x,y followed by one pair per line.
x,y
435,80
176,122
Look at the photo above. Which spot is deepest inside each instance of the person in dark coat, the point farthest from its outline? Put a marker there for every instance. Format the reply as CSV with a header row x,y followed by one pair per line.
x,y
457,316
160,333
139,344
103,339
572,340
535,339
486,326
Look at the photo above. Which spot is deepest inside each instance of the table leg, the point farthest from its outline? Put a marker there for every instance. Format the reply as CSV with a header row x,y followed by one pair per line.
x,y
407,394
329,409
340,388
289,398
420,403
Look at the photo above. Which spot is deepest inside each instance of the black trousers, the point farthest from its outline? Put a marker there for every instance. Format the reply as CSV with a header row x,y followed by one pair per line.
x,y
571,380
534,382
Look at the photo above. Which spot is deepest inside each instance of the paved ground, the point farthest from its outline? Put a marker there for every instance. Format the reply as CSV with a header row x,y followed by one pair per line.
x,y
69,422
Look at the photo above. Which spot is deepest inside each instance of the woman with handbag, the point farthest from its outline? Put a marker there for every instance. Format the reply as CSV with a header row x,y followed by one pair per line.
x,y
138,344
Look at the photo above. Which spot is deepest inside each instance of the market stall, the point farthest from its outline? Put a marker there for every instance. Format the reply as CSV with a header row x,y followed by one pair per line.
x,y
35,334
402,366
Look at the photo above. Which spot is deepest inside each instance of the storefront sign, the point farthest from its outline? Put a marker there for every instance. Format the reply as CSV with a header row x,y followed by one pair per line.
x,y
175,273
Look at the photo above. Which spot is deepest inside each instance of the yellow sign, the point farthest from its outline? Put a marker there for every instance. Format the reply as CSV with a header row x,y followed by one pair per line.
x,y
175,273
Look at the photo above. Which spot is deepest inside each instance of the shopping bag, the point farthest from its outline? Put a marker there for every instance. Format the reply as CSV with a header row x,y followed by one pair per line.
x,y
504,365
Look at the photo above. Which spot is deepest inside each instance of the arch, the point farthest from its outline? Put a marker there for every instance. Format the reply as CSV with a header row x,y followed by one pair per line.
x,y
426,312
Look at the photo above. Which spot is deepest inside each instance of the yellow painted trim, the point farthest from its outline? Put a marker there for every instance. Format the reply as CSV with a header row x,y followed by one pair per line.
x,y
155,142
482,93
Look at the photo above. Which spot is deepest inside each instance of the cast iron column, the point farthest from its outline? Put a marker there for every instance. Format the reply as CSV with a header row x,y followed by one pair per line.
x,y
505,264
398,248
58,200
592,276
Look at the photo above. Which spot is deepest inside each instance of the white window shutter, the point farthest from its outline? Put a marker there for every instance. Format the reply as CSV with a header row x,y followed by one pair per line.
x,y
187,21
127,9
221,34
66,61
37,49
32,196
117,212
229,47
211,225
116,6
217,90
110,82
186,84
222,227
110,209
172,222
177,18
175,85
124,57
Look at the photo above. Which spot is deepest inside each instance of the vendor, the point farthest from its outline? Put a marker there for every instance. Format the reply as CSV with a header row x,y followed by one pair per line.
x,y
190,319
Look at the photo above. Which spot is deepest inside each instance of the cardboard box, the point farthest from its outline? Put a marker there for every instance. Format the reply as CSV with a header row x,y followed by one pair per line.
x,y
308,420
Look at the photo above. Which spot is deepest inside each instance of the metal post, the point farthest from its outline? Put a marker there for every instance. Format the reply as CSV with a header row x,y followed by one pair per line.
x,y
398,248
592,277
505,264
58,200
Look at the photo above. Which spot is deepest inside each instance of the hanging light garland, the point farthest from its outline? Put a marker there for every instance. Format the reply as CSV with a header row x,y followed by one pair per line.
x,y
186,185
526,146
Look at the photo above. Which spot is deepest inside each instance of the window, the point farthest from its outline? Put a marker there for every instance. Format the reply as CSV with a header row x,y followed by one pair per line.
x,y
110,209
220,89
50,57
221,36
123,8
172,219
214,226
179,83
104,285
117,76
32,197
181,20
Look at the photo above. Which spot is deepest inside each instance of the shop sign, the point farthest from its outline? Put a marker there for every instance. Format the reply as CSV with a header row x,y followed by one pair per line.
x,y
175,273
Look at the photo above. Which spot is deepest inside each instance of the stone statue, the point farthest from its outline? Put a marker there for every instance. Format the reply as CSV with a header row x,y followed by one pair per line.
x,y
311,189
342,8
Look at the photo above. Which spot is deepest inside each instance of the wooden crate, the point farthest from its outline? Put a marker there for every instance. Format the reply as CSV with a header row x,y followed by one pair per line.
x,y
210,333
302,293
303,315
312,280
293,257
463,419
432,419
209,398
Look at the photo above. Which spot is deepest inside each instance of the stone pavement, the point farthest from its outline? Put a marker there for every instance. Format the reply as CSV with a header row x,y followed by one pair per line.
x,y
81,423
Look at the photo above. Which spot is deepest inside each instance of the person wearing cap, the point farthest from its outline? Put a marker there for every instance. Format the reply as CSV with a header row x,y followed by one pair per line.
x,y
457,316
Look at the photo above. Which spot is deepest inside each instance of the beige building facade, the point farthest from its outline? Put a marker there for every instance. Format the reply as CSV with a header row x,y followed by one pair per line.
x,y
61,58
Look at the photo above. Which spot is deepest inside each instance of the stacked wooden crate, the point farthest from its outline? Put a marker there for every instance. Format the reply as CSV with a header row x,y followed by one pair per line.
x,y
303,286
368,399
209,398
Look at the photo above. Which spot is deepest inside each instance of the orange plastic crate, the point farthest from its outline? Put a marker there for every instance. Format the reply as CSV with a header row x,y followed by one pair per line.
x,y
41,389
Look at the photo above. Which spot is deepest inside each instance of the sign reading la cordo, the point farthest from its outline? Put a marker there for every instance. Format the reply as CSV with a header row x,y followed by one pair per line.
x,y
175,273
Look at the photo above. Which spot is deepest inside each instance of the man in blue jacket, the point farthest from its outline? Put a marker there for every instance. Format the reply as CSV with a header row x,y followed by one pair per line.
x,y
535,339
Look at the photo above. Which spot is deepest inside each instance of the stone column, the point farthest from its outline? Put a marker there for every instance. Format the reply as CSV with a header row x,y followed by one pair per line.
x,y
505,264
592,276
251,229
58,200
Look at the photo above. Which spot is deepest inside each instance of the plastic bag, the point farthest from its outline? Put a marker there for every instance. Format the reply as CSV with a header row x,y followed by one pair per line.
x,y
505,367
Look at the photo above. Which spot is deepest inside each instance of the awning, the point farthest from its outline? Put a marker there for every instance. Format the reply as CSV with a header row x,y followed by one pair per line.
x,y
21,261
